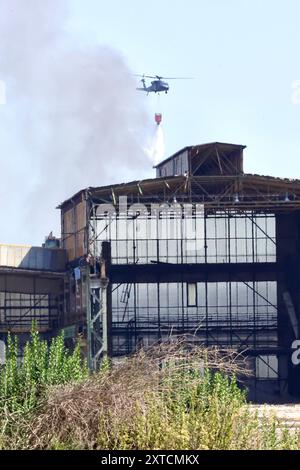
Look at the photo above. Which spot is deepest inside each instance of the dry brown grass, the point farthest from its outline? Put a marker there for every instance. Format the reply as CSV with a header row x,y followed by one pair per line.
x,y
77,413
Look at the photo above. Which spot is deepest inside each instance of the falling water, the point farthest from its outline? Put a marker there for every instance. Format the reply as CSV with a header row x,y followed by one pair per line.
x,y
158,145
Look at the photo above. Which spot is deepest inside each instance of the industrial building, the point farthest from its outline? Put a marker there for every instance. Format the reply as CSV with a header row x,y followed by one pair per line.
x,y
202,249
31,289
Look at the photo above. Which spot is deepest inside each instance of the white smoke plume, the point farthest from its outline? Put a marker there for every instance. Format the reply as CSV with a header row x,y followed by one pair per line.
x,y
72,118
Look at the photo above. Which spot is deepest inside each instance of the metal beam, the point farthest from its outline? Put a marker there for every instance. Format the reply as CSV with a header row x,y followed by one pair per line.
x,y
210,272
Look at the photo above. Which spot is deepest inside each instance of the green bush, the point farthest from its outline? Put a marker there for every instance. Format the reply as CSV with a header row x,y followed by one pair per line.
x,y
23,382
190,410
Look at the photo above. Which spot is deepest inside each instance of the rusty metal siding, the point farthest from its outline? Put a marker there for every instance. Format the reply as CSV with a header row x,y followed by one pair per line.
x,y
74,228
68,234
80,229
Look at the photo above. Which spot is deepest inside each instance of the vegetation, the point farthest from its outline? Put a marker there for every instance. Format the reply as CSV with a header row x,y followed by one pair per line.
x,y
22,383
169,397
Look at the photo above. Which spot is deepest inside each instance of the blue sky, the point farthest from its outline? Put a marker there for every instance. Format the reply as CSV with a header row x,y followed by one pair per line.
x,y
244,55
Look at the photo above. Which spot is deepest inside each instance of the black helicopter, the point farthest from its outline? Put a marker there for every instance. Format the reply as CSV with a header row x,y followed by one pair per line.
x,y
158,85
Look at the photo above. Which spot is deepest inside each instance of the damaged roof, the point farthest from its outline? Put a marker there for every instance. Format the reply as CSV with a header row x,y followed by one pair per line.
x,y
248,185
202,147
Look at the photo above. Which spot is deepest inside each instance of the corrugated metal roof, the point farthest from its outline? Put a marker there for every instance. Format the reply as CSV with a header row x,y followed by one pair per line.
x,y
157,183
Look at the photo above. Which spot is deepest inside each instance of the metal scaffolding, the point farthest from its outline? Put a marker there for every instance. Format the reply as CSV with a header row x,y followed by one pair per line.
x,y
230,310
208,256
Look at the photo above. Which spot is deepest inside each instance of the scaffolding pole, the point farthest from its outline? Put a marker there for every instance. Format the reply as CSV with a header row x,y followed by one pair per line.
x,y
98,309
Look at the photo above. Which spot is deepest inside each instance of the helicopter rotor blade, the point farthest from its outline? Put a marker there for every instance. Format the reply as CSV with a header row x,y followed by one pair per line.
x,y
144,76
178,78
159,77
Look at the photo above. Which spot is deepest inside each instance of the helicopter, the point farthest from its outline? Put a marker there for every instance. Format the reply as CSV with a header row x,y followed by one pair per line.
x,y
158,85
